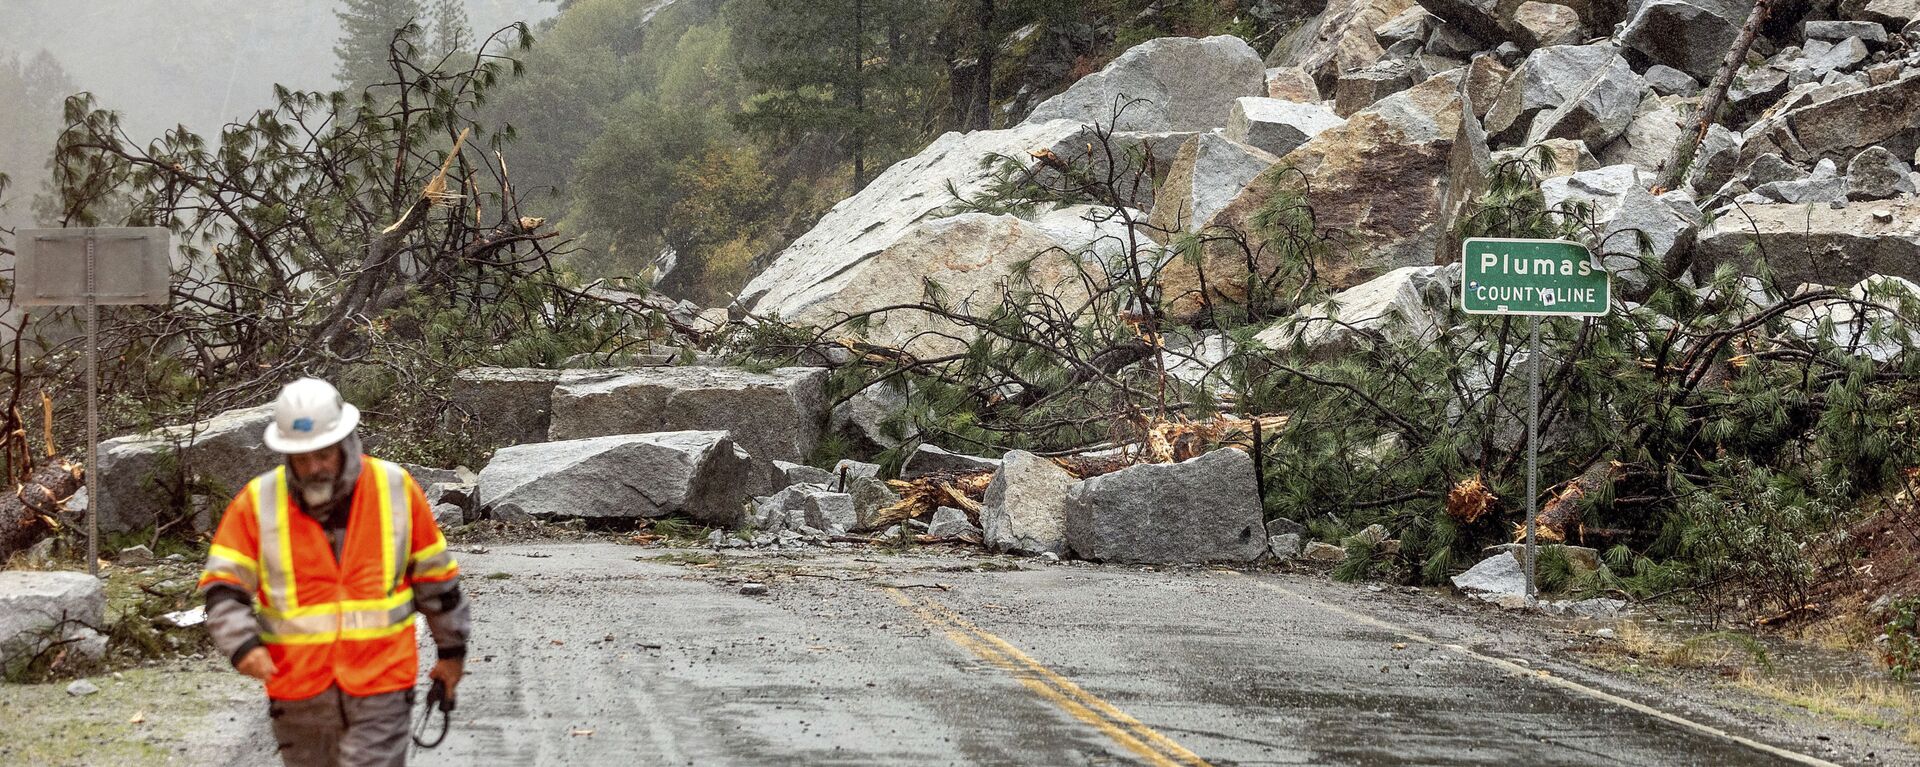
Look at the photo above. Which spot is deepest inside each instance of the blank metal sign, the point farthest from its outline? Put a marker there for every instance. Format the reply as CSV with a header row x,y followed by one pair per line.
x,y
130,264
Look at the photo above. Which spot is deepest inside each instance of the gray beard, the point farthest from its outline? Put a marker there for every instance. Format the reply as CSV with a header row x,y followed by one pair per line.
x,y
317,494
317,497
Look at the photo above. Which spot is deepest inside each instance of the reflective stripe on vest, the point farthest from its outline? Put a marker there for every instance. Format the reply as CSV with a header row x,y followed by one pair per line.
x,y
223,562
395,521
283,619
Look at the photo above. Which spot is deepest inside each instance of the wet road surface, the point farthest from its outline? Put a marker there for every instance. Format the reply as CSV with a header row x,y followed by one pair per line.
x,y
606,654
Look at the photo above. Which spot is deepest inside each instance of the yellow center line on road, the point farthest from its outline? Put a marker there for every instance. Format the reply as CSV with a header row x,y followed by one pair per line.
x,y
1542,676
1157,749
1089,699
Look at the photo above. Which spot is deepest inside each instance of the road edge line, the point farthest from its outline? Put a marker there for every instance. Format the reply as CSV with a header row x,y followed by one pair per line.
x,y
1536,674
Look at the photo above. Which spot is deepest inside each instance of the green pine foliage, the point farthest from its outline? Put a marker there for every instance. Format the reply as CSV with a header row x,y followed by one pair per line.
x,y
1735,429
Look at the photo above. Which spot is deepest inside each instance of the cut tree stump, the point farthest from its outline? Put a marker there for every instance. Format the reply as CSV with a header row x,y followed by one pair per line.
x,y
32,510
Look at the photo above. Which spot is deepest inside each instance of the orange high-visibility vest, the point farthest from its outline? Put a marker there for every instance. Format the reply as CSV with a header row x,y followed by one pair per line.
x,y
326,622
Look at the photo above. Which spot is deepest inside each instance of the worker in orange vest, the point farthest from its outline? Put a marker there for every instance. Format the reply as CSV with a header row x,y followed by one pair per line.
x,y
313,580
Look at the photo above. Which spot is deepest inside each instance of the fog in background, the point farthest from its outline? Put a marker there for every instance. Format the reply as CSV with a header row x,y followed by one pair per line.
x,y
161,63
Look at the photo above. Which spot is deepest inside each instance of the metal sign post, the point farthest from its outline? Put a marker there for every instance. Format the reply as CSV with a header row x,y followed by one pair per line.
x,y
90,267
1533,278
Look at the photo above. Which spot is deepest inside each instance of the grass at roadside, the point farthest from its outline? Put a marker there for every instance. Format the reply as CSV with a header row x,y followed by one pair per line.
x,y
1821,680
139,717
1874,703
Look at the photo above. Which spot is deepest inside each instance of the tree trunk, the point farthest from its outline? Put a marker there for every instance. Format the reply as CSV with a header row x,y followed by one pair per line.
x,y
859,96
1559,520
1716,95
981,113
24,512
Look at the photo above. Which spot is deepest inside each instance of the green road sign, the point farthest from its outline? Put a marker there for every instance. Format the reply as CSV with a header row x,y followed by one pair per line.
x,y
1552,278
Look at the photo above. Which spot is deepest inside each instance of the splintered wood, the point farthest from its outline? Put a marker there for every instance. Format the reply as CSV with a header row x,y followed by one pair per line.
x,y
1172,441
925,495
1167,442
35,507
1561,516
1469,500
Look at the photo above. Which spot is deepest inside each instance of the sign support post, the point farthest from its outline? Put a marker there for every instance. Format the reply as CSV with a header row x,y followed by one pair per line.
x,y
1533,455
93,410
88,268
1533,278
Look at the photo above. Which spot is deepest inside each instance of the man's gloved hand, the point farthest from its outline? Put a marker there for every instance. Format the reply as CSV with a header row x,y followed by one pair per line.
x,y
257,663
449,671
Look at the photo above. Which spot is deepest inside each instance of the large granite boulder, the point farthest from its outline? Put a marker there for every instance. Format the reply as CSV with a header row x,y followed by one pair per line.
x,y
933,459
1816,243
1551,158
1187,84
697,473
1026,504
875,418
869,225
970,256
1528,23
1200,362
1838,31
504,406
1653,137
775,415
1292,84
1588,92
1542,24
1406,304
1363,88
1391,178
1898,14
218,455
1869,325
1824,185
1667,81
1277,126
1817,59
1837,128
1689,35
1139,160
40,608
1623,211
1206,509
1877,174
1207,174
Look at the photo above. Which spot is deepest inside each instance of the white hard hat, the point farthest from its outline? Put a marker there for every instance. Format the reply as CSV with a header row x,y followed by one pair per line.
x,y
309,415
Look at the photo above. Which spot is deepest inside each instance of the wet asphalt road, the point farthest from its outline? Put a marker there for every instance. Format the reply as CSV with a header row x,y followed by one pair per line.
x,y
615,655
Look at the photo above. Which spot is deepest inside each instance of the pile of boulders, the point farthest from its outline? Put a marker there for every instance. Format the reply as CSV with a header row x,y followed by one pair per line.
x,y
1390,115
816,506
601,443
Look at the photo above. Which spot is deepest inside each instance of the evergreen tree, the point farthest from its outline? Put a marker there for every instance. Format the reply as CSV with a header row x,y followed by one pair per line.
x,y
33,90
367,29
850,70
452,33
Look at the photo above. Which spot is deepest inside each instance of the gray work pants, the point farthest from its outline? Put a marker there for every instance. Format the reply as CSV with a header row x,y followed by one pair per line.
x,y
336,729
